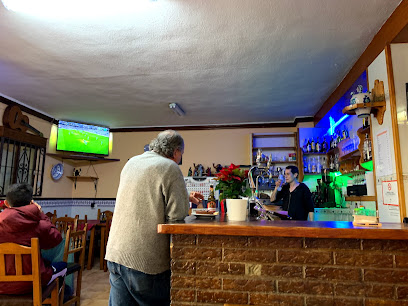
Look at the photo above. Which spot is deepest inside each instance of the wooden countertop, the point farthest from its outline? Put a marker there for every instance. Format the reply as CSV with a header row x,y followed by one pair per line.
x,y
317,229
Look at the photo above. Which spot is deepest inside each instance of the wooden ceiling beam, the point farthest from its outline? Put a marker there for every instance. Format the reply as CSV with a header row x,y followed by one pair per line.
x,y
390,29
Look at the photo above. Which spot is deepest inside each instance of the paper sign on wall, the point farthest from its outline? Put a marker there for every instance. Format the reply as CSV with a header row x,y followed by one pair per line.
x,y
383,155
390,193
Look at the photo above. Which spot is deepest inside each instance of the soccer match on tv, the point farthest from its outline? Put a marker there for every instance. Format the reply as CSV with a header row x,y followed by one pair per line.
x,y
83,138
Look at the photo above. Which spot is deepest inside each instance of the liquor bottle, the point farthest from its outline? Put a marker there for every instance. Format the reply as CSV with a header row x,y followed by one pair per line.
x,y
365,148
318,145
318,166
305,169
369,152
314,165
338,137
313,145
309,146
344,133
211,201
365,119
324,162
324,146
305,145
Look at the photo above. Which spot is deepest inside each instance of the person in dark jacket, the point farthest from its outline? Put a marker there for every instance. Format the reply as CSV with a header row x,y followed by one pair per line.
x,y
297,199
22,220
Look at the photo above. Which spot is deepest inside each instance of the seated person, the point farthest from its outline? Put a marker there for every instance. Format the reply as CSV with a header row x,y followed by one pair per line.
x,y
22,220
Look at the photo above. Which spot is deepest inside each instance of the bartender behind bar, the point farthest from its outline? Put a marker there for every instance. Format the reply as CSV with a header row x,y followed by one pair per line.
x,y
296,197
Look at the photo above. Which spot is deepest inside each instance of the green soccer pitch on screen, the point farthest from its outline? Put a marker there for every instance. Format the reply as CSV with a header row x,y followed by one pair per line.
x,y
82,138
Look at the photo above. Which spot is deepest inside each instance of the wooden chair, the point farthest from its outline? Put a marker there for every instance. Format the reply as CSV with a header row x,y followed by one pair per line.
x,y
75,242
104,238
51,215
82,222
62,224
40,296
103,215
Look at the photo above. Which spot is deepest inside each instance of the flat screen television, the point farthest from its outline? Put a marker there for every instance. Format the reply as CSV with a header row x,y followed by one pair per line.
x,y
82,138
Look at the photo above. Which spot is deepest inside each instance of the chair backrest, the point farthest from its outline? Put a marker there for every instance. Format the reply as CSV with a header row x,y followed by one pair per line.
x,y
35,276
51,215
62,224
81,222
75,241
103,215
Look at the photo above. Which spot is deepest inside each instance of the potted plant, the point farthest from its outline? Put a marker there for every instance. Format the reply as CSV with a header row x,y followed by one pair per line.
x,y
232,185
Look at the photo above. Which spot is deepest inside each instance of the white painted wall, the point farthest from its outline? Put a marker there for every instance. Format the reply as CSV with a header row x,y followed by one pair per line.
x,y
378,70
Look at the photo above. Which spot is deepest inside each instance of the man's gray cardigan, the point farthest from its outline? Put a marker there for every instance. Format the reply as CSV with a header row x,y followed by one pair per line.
x,y
151,191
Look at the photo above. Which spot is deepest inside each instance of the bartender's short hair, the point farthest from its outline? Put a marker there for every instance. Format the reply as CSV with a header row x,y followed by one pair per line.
x,y
19,194
293,169
166,143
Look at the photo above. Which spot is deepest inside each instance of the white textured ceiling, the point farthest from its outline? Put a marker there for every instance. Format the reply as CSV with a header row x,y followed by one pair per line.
x,y
223,61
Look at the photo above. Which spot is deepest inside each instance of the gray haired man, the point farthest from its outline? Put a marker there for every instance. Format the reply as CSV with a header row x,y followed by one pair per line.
x,y
151,191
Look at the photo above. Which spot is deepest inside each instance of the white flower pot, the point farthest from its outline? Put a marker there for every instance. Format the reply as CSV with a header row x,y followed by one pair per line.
x,y
237,209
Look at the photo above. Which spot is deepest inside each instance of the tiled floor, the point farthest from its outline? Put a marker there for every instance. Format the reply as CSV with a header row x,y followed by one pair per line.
x,y
95,287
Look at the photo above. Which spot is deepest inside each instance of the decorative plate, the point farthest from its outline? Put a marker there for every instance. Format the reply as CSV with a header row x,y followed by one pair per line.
x,y
57,171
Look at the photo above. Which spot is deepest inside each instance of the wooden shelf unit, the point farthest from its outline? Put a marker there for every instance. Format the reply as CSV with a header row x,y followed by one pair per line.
x,y
289,145
83,178
378,105
360,198
77,159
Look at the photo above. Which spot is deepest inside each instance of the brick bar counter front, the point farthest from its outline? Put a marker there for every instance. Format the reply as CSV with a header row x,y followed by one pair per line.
x,y
216,262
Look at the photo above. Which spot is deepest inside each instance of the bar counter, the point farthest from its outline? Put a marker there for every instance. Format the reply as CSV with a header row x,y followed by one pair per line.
x,y
287,263
319,229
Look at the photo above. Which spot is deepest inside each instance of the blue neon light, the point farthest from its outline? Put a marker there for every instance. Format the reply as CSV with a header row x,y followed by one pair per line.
x,y
333,124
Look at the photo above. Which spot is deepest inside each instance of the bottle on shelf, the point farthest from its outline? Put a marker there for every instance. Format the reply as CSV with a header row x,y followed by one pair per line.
x,y
331,162
324,162
366,122
365,147
338,137
313,165
324,145
309,146
318,145
211,201
305,146
344,133
369,150
313,145
305,169
318,166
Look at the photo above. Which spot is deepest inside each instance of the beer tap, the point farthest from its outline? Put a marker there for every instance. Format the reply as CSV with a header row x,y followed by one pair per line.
x,y
260,171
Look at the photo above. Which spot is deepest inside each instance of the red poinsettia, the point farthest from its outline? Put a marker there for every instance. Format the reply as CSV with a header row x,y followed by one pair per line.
x,y
232,182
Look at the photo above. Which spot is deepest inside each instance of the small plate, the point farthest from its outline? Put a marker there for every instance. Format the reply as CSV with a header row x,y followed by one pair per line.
x,y
200,213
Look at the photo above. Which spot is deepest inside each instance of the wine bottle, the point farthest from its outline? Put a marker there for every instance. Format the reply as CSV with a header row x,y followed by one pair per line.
x,y
324,146
211,201
313,144
309,146
318,145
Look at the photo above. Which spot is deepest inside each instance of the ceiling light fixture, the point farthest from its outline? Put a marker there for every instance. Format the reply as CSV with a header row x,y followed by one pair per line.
x,y
177,109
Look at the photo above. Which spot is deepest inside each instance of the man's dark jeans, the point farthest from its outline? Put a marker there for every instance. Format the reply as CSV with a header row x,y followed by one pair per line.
x,y
132,287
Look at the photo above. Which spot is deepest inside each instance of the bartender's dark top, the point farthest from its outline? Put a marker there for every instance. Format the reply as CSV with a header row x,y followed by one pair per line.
x,y
298,203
